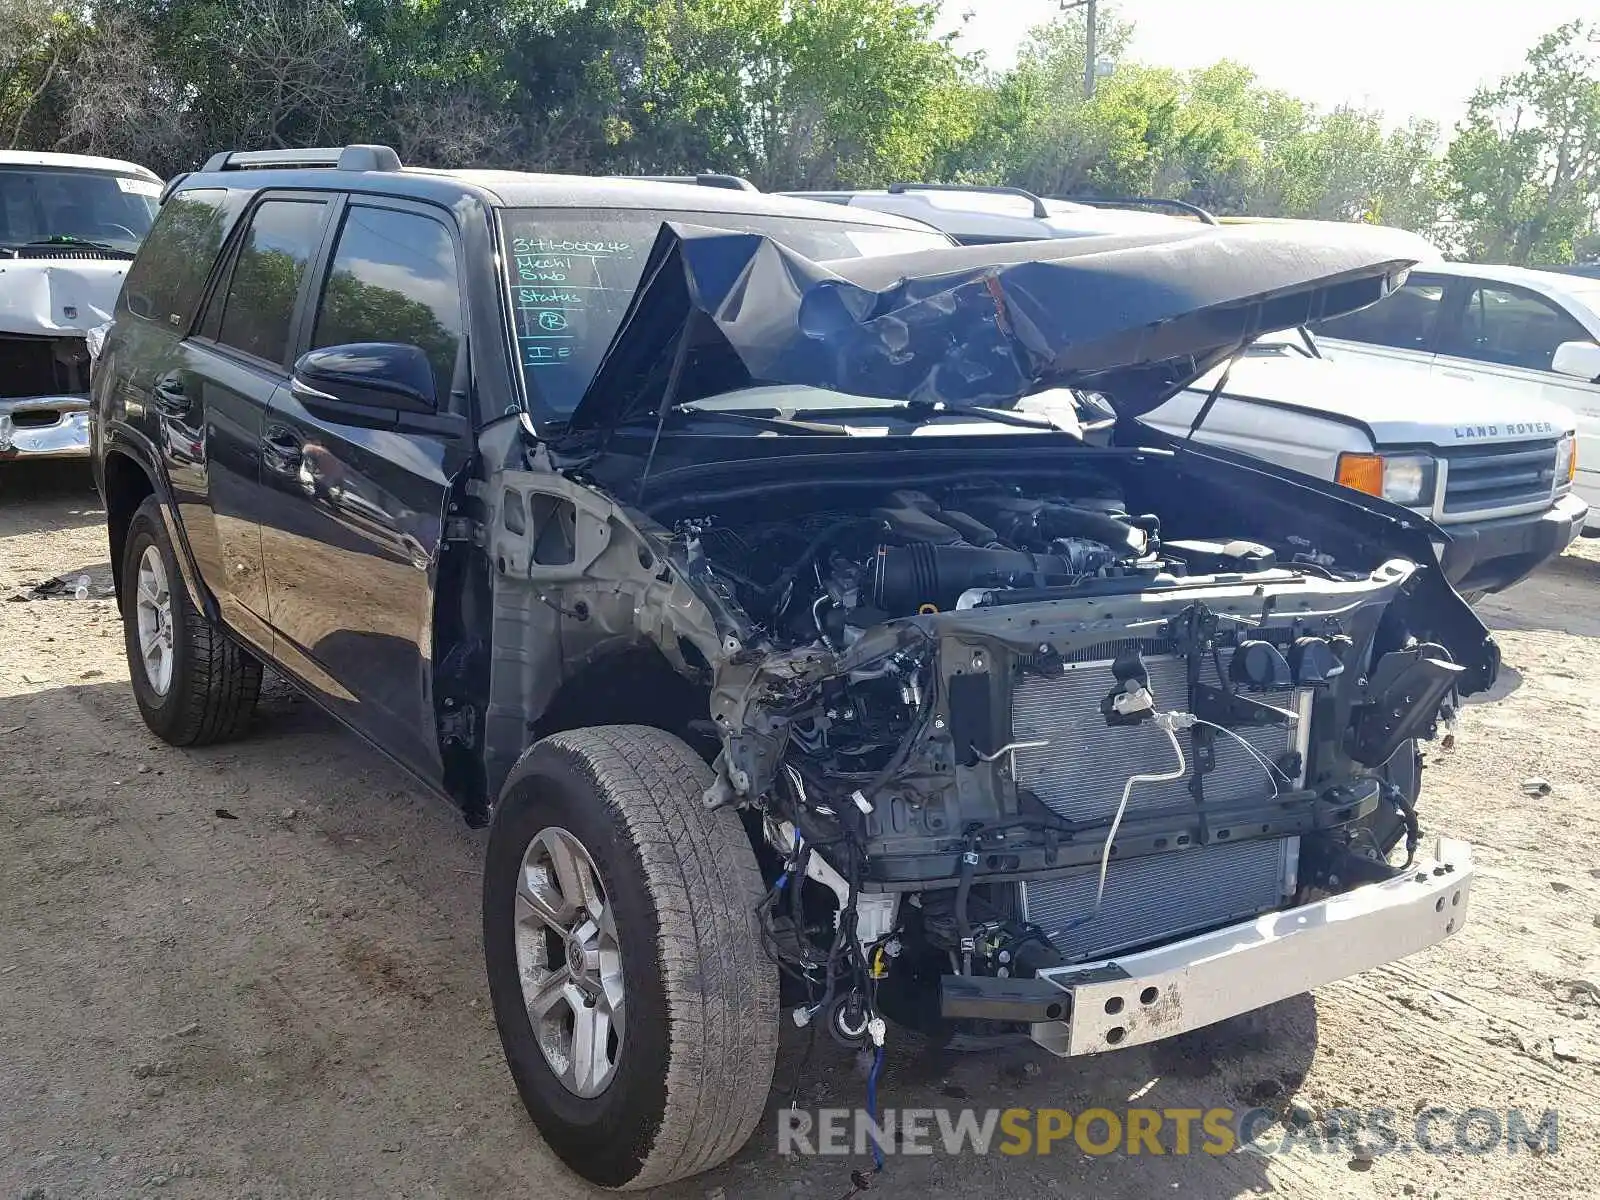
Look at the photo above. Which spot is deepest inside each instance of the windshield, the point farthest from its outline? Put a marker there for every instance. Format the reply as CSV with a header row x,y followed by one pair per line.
x,y
572,272
41,205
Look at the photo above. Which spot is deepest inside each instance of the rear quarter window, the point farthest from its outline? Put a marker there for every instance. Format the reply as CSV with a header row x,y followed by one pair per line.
x,y
167,277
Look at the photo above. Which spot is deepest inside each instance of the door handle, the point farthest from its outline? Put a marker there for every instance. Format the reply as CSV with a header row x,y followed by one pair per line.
x,y
1457,374
170,397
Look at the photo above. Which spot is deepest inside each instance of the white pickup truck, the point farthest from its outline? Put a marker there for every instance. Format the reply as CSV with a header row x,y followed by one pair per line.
x,y
1492,466
69,227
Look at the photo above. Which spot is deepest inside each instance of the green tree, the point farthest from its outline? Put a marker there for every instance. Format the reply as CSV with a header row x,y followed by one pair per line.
x,y
37,37
1344,167
1031,126
1524,168
794,93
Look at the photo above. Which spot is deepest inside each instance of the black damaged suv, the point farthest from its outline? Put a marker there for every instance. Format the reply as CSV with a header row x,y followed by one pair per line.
x,y
746,566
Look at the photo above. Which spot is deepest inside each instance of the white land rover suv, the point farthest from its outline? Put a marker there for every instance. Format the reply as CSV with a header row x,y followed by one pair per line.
x,y
1525,337
1490,460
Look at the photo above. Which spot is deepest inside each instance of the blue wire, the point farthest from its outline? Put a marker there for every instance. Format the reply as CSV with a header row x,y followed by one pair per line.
x,y
872,1105
783,880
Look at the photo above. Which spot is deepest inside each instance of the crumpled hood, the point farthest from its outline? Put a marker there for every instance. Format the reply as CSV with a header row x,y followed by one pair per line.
x,y
1136,318
1398,407
47,296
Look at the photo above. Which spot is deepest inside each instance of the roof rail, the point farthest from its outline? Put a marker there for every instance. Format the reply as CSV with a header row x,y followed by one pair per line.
x,y
710,179
342,158
1040,212
1178,206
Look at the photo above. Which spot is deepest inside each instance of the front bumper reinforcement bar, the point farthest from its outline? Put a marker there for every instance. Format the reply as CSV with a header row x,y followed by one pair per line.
x,y
1138,998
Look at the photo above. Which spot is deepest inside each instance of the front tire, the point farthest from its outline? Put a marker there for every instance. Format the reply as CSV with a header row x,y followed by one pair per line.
x,y
636,1008
194,685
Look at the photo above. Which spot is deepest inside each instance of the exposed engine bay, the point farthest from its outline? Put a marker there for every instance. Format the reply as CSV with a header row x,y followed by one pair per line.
x,y
996,727
991,708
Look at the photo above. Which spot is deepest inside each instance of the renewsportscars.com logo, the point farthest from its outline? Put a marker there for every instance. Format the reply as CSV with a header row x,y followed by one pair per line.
x,y
957,1132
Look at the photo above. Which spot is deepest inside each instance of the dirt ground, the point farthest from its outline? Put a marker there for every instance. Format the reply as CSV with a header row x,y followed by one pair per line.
x,y
253,971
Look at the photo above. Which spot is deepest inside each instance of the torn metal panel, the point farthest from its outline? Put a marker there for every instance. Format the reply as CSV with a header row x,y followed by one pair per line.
x,y
1137,318
578,578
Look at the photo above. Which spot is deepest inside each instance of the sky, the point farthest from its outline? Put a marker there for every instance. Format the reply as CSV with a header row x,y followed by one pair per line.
x,y
1407,57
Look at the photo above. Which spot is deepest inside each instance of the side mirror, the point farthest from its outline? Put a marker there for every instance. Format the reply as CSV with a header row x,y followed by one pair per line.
x,y
1581,360
381,376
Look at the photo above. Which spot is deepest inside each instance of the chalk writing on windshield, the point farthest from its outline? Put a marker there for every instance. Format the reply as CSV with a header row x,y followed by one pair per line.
x,y
558,283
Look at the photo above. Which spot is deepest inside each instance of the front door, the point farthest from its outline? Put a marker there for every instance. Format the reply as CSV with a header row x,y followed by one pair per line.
x,y
352,557
1400,332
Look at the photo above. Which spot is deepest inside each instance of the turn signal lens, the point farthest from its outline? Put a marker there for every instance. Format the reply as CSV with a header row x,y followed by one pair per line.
x,y
1364,472
1405,479
1567,460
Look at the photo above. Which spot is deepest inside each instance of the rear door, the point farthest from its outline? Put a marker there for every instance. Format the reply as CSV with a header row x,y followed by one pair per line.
x,y
215,394
352,556
1401,331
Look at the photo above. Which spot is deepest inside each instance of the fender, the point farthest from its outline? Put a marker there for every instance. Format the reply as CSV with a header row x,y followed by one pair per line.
x,y
124,439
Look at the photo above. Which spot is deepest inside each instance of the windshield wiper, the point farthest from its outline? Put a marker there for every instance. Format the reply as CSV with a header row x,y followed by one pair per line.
x,y
68,241
767,418
920,412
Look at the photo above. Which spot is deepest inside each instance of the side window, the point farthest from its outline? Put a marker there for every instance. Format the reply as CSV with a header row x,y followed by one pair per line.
x,y
1512,327
283,236
166,279
1405,320
393,279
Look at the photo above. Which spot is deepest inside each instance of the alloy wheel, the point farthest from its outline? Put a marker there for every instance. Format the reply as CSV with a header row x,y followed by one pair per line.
x,y
570,962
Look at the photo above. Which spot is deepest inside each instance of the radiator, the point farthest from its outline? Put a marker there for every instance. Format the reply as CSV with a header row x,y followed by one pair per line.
x,y
1163,897
1080,776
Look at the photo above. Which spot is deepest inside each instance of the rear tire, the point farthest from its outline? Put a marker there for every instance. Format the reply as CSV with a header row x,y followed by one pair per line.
x,y
678,886
194,685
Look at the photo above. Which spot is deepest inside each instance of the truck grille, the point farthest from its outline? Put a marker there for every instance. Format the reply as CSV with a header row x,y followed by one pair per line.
x,y
1162,897
1080,776
1481,478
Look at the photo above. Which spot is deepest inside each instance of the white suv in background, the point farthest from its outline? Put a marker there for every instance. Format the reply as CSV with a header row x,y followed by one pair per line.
x,y
982,216
1525,336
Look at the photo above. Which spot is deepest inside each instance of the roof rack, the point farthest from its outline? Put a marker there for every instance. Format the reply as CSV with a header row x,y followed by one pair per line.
x,y
710,179
1040,212
1178,206
341,158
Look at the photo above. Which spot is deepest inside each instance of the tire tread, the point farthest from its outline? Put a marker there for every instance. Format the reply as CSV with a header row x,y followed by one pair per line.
x,y
220,681
721,991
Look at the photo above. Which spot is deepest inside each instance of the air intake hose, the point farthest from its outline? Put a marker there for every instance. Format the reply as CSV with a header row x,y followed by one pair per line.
x,y
907,578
